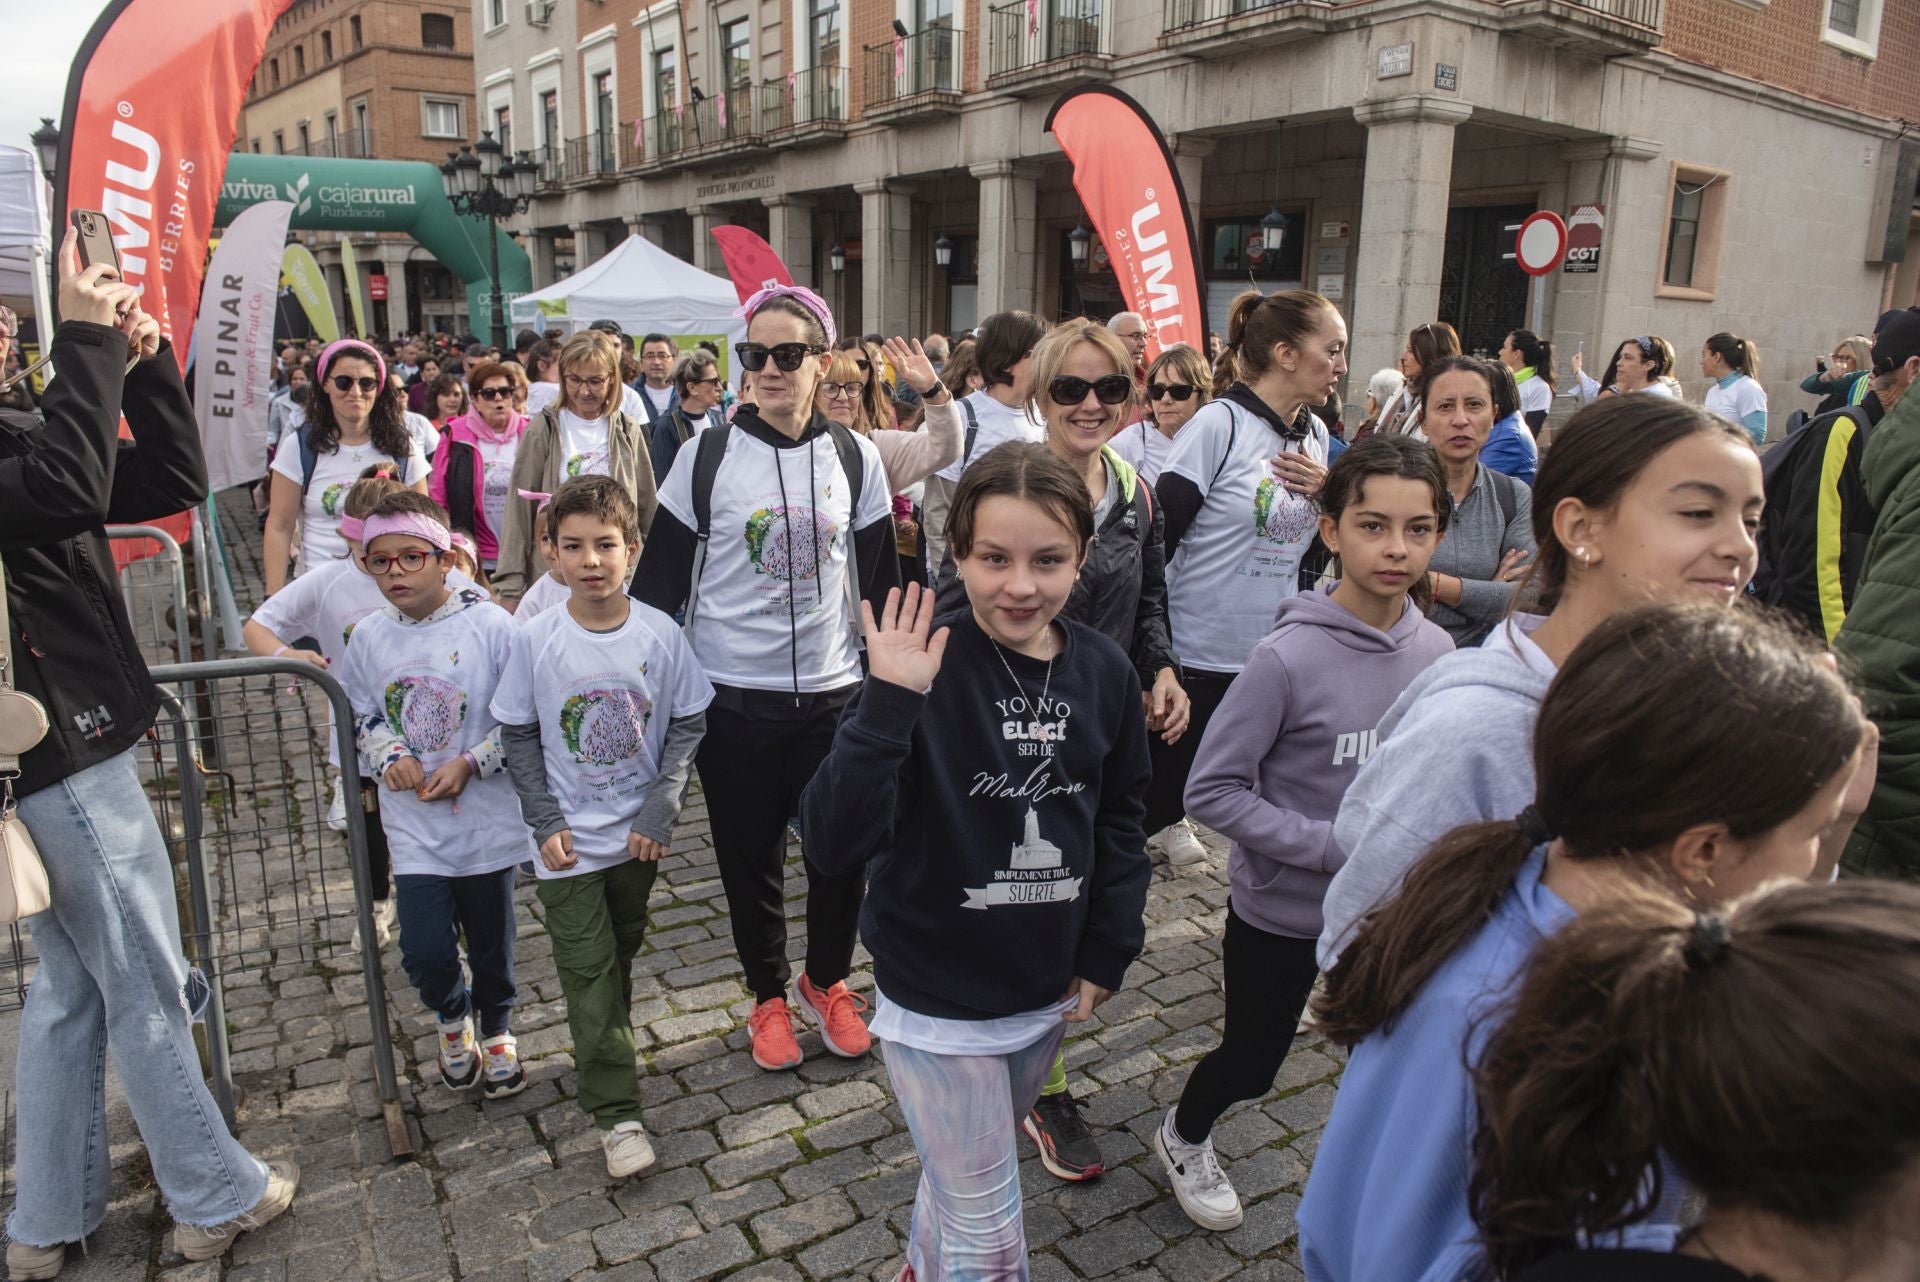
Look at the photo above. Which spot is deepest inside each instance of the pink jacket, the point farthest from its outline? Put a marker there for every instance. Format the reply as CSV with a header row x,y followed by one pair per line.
x,y
459,479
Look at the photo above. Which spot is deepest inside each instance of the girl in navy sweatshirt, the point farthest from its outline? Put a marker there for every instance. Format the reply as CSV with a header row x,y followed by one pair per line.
x,y
1277,758
1004,851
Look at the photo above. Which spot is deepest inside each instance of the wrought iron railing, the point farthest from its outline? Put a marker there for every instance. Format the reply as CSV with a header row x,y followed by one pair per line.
x,y
815,96
1031,33
924,62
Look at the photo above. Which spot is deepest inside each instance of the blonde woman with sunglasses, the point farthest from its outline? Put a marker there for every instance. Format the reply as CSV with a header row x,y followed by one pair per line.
x,y
1178,382
584,432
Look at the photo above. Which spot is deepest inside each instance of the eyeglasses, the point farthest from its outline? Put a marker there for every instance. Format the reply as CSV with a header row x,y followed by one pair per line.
x,y
1112,389
704,382
1131,338
411,561
594,384
494,393
347,382
787,357
1178,391
842,391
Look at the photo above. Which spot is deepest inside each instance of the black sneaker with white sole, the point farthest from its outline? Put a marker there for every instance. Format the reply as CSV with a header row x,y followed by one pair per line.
x,y
1067,1147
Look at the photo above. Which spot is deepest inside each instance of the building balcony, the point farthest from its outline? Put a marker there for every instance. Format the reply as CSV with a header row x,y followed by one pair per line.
x,y
590,159
913,78
705,129
1215,28
804,107
552,162
1602,28
1043,46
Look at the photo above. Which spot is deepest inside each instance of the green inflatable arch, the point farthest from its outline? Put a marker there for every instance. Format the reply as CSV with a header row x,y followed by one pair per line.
x,y
380,195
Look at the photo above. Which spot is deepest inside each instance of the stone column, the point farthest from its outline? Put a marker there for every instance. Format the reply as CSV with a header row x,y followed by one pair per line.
x,y
649,226
540,247
886,263
1580,303
1403,221
706,251
1009,238
587,246
393,261
1189,153
790,232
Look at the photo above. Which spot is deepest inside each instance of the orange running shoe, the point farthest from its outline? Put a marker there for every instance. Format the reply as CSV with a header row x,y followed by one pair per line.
x,y
771,1026
836,1013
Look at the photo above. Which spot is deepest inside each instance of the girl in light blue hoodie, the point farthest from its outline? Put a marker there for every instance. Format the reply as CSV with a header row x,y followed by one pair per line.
x,y
1283,746
1683,750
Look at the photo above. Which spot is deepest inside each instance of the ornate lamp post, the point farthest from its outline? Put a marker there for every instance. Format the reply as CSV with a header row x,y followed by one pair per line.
x,y
483,182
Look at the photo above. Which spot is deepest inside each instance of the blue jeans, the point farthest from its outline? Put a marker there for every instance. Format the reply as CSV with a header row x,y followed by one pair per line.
x,y
964,1112
111,979
434,912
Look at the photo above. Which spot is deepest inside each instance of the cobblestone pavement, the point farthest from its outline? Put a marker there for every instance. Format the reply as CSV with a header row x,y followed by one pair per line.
x,y
762,1176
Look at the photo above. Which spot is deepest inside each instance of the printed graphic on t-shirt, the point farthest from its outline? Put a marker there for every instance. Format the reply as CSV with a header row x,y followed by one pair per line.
x,y
1033,875
331,496
591,463
786,542
604,724
426,710
1280,516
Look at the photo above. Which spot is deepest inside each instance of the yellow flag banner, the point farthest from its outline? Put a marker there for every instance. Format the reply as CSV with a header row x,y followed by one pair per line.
x,y
356,288
302,275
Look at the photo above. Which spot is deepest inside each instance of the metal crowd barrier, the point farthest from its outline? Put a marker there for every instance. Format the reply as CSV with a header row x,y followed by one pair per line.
x,y
242,797
155,587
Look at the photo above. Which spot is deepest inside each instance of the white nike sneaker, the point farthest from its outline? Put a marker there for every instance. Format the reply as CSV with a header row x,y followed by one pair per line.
x,y
1205,1193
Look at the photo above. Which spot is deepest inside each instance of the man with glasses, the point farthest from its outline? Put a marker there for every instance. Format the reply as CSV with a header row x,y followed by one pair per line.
x,y
697,390
656,388
1131,329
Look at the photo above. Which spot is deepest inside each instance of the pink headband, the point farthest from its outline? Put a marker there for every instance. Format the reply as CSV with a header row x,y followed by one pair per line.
x,y
351,347
417,524
463,542
799,294
352,528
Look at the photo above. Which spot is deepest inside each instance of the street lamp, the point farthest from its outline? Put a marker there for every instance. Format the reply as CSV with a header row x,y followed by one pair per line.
x,y
46,141
1079,240
1273,232
481,182
943,252
837,258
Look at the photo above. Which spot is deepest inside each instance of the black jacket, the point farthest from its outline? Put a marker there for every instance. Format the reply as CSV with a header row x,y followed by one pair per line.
x,y
1122,590
1813,537
61,482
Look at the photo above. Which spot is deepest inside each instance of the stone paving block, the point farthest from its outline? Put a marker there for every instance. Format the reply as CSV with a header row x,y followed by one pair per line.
x,y
1115,1192
875,1196
645,1234
1248,1133
680,1028
1306,1111
823,1173
780,1231
567,1218
742,1129
847,1251
1267,1225
683,1113
656,1188
703,1257
560,1262
740,1165
1124,1242
762,1088
860,1127
832,1101
730,1205
411,1246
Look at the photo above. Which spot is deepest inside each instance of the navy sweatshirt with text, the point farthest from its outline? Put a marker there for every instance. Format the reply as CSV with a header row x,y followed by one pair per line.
x,y
1001,831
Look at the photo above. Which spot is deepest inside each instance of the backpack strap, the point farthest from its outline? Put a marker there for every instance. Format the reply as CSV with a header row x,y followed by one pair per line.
x,y
309,457
973,433
1233,433
708,452
854,464
1503,493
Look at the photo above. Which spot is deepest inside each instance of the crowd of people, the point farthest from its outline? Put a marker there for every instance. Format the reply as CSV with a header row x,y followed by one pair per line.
x,y
1529,796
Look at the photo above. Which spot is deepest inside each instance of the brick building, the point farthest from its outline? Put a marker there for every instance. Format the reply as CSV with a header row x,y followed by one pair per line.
x,y
375,80
1398,139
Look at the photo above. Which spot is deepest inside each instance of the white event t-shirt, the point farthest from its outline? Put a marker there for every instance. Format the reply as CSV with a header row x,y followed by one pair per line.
x,y
1241,555
772,609
546,592
658,398
1736,400
1536,396
1144,447
496,479
433,683
583,446
334,474
998,425
602,701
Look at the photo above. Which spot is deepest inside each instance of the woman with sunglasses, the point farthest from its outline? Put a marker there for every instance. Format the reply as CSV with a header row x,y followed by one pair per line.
x,y
769,602
585,432
354,420
473,472
1179,382
1240,487
1841,378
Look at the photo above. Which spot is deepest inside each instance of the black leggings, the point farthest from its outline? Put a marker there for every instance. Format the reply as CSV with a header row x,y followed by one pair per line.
x,y
379,858
1172,763
758,754
1269,978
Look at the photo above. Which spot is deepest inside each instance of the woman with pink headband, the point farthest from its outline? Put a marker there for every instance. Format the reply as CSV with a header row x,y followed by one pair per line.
x,y
354,420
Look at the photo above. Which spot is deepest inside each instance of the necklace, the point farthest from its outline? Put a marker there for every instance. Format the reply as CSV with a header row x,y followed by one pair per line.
x,y
1041,732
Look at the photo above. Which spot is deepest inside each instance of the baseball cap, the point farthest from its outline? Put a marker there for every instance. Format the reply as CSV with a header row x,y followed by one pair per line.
x,y
1898,340
1888,318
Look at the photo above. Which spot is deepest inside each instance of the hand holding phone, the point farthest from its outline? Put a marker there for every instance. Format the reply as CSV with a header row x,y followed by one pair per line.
x,y
96,240
94,293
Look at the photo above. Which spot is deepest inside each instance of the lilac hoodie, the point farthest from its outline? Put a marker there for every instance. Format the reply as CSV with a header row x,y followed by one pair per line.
x,y
1288,739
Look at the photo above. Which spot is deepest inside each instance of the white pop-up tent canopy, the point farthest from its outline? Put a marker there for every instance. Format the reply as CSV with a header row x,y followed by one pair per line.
x,y
644,288
25,247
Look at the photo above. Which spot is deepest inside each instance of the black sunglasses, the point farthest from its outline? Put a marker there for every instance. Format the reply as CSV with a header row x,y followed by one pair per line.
x,y
347,382
864,365
1178,391
786,356
502,393
1111,389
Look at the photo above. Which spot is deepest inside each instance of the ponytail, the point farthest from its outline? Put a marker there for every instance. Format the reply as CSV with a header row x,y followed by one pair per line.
x,y
1258,322
1740,354
1447,897
1728,1043
1536,352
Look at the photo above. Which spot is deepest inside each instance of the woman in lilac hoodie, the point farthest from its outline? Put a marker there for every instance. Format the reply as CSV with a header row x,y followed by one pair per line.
x,y
473,469
1277,757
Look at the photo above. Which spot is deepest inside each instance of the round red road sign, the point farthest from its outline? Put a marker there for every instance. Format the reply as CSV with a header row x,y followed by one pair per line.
x,y
1541,243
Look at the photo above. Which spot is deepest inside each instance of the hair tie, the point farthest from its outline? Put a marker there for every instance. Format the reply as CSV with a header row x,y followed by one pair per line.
x,y
352,528
1534,826
799,294
1709,940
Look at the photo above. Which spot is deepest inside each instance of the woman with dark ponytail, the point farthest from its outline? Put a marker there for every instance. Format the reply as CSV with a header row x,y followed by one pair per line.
x,y
1661,769
1648,1035
1530,357
1734,366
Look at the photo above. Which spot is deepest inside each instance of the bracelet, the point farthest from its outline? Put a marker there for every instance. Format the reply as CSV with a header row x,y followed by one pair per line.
x,y
472,761
285,649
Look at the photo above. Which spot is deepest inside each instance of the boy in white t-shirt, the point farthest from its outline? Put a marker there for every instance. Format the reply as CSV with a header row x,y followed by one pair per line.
x,y
601,708
549,589
420,674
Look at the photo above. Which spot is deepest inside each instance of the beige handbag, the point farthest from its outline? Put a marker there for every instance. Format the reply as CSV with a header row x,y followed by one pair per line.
x,y
23,724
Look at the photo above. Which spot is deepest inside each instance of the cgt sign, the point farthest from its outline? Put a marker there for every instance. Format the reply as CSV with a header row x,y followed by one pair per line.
x,y
1586,228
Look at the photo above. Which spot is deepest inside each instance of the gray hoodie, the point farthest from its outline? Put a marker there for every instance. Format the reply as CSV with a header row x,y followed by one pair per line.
x,y
1288,739
1456,748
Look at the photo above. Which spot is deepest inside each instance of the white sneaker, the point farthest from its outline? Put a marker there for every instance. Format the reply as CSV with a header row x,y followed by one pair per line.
x,y
1205,1193
385,913
629,1151
1181,844
337,808
459,1056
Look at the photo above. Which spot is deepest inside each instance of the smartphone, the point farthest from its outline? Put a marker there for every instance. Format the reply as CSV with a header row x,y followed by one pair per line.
x,y
96,239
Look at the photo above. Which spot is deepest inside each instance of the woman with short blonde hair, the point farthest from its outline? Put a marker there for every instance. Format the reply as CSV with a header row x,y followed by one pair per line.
x,y
1178,382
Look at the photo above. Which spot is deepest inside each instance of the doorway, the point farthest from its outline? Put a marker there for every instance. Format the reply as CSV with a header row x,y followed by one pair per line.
x,y
1482,295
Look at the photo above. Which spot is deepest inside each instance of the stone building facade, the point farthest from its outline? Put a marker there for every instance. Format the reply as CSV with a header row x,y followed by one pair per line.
x,y
1749,155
